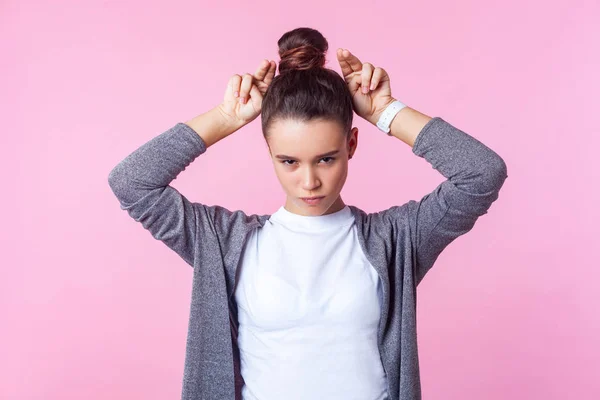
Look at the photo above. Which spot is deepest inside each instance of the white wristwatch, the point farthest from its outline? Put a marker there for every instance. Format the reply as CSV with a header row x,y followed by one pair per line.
x,y
385,120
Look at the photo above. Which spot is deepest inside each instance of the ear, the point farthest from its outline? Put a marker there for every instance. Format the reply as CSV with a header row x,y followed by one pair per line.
x,y
352,142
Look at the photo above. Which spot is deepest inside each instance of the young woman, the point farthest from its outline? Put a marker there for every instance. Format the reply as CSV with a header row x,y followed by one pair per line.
x,y
317,300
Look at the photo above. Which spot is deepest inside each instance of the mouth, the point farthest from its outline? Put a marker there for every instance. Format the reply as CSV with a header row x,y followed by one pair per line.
x,y
312,200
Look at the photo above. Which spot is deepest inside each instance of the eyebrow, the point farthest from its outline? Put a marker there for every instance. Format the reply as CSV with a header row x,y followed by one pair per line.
x,y
284,157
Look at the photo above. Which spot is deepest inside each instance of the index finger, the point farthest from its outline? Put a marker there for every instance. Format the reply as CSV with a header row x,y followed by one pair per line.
x,y
265,72
348,61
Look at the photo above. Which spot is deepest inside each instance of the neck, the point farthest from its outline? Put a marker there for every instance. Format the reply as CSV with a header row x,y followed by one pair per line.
x,y
336,206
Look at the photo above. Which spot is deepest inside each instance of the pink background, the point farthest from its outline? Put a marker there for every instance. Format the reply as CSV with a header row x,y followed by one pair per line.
x,y
92,307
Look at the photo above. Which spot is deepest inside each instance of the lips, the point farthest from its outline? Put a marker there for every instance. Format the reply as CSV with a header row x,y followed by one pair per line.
x,y
312,201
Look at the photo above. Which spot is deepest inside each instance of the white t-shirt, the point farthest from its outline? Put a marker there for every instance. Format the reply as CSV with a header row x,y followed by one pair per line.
x,y
308,311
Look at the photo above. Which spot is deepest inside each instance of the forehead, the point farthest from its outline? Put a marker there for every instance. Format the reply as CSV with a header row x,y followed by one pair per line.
x,y
305,138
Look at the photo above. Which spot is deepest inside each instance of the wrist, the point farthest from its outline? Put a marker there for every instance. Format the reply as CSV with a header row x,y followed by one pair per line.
x,y
227,122
213,125
377,114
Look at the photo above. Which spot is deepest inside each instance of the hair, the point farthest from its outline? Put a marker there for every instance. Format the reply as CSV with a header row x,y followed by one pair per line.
x,y
305,90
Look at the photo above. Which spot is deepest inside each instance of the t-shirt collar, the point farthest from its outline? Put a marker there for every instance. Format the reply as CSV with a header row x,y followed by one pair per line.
x,y
319,222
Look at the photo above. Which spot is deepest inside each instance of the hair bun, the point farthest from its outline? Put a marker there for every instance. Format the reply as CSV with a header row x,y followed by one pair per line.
x,y
302,48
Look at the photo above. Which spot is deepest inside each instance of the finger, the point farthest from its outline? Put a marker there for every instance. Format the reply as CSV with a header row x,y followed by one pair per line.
x,y
262,70
256,97
245,87
379,75
270,73
346,68
365,76
233,87
354,83
352,63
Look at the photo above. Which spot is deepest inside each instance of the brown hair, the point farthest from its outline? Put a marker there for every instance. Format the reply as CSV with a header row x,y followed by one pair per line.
x,y
304,89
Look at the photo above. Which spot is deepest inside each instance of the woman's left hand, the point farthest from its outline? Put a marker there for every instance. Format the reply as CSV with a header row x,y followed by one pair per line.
x,y
369,86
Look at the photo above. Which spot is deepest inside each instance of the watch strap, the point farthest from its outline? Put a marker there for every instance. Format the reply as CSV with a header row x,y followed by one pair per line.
x,y
387,116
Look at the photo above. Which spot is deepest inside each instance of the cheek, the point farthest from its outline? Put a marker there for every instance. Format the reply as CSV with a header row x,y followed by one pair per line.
x,y
337,174
335,177
286,179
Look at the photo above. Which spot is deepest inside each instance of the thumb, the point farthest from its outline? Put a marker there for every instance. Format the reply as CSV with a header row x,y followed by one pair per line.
x,y
354,83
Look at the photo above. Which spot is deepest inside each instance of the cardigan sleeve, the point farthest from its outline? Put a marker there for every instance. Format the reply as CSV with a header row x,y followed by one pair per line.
x,y
474,175
141,183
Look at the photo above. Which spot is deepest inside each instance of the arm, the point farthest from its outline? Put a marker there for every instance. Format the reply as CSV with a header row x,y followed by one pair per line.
x,y
474,175
213,126
141,182
474,172
407,125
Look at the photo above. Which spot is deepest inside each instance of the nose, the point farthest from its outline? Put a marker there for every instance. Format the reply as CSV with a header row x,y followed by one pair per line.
x,y
310,181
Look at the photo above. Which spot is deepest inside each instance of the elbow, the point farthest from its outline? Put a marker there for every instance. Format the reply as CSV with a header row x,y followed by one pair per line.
x,y
497,173
500,168
115,180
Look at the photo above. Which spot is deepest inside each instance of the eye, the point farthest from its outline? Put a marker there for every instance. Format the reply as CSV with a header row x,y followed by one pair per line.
x,y
327,160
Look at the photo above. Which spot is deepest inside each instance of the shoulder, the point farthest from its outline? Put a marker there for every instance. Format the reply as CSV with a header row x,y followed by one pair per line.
x,y
389,217
381,232
223,221
384,225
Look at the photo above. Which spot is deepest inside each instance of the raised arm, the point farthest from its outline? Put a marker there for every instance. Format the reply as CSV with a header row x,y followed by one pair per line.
x,y
474,172
474,175
141,182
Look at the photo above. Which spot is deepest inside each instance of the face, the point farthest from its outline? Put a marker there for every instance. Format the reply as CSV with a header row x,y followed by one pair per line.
x,y
311,160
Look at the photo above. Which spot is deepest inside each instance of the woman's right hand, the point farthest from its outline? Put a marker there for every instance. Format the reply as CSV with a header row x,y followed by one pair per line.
x,y
244,94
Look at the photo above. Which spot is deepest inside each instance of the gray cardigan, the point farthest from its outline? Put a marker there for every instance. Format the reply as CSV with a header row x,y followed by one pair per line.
x,y
402,243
